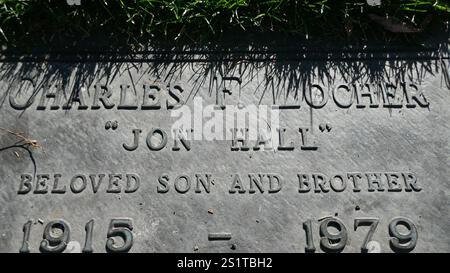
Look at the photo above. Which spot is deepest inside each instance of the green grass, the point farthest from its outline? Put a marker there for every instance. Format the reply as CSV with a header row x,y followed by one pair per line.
x,y
41,21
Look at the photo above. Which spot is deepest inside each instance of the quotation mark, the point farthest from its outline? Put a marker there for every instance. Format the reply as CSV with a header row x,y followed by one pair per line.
x,y
111,125
323,127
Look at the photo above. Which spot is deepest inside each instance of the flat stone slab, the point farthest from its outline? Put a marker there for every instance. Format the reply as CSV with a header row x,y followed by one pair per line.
x,y
355,157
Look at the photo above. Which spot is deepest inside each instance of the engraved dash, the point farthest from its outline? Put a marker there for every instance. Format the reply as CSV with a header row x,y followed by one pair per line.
x,y
219,236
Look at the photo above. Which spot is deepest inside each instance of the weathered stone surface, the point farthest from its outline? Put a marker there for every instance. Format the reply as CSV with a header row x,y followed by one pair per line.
x,y
410,141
